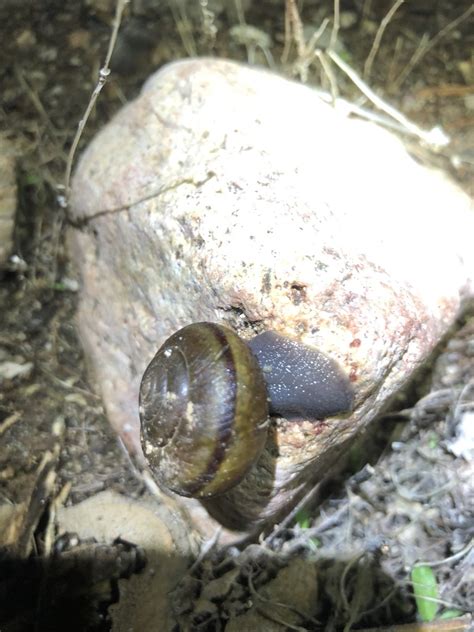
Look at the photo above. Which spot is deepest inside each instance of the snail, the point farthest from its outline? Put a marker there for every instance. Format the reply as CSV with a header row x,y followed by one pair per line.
x,y
207,395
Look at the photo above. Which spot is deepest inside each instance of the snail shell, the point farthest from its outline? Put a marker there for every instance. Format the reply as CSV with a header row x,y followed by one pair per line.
x,y
204,411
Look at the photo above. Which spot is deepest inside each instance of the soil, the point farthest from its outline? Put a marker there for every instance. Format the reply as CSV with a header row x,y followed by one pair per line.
x,y
412,503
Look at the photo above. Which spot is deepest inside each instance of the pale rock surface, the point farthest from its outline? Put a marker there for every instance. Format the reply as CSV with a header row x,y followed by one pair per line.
x,y
161,533
230,194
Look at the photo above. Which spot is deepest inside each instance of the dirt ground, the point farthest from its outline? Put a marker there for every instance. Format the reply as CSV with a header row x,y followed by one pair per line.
x,y
411,501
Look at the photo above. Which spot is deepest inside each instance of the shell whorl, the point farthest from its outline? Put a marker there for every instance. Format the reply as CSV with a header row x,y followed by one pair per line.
x,y
204,410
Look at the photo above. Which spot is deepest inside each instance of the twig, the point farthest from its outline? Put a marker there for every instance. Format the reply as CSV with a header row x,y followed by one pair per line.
x,y
305,536
393,65
183,25
336,24
306,51
447,560
380,604
278,604
240,11
104,73
69,387
287,43
414,59
343,578
209,28
35,100
50,529
296,28
348,108
445,90
280,622
378,38
329,74
311,51
291,516
409,491
429,44
206,547
441,602
434,137
460,403
317,34
9,422
327,523
40,495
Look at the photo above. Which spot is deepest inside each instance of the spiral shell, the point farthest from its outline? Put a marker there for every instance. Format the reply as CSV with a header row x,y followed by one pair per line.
x,y
203,411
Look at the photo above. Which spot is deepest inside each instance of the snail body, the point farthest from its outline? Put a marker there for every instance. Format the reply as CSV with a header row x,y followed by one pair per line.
x,y
206,397
302,382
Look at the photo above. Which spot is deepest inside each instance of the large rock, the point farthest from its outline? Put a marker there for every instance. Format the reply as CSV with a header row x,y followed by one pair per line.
x,y
230,194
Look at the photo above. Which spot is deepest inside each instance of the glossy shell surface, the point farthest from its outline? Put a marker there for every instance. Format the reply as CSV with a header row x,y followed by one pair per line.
x,y
203,411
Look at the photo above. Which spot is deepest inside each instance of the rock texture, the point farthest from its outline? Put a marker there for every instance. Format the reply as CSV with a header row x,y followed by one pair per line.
x,y
230,194
160,533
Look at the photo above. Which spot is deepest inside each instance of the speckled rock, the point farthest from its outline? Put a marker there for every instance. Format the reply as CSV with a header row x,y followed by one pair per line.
x,y
230,194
